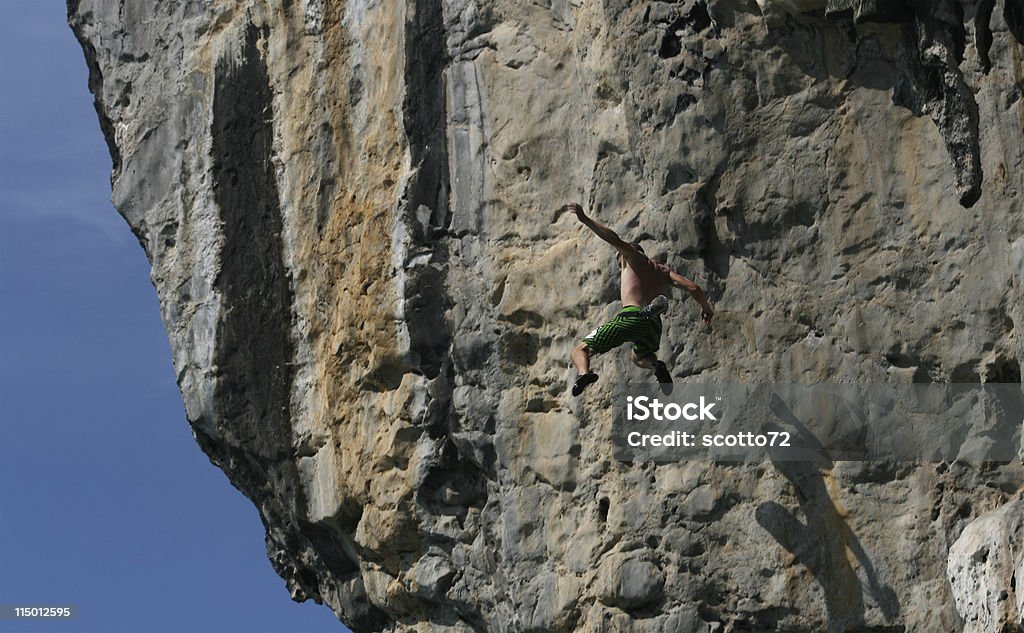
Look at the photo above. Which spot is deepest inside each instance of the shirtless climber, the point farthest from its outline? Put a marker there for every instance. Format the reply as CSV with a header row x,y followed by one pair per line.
x,y
642,283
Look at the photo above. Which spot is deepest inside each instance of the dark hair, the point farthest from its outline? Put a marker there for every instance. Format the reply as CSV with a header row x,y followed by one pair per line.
x,y
635,245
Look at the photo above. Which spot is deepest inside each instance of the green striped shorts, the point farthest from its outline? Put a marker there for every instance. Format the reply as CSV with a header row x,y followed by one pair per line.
x,y
627,326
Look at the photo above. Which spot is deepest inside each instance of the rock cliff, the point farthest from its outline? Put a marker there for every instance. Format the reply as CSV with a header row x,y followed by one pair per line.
x,y
350,210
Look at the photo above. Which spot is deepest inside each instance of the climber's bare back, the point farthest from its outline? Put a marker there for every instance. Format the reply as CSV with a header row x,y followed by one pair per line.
x,y
642,280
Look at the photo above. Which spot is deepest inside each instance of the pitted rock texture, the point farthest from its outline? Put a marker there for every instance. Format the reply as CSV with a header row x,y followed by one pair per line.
x,y
350,209
986,565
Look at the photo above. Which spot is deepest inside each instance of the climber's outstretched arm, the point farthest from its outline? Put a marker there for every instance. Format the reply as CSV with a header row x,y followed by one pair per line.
x,y
696,291
632,255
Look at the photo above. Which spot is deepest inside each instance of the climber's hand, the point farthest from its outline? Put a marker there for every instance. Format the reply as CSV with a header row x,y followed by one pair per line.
x,y
577,209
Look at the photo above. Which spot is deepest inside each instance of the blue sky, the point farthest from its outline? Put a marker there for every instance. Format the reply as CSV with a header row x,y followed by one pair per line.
x,y
106,502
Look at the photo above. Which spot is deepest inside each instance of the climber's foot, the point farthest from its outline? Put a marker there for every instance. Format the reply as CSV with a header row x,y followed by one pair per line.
x,y
582,382
656,307
664,377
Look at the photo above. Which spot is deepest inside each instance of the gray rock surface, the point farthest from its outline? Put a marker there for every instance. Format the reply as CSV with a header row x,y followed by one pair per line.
x,y
628,582
350,210
986,565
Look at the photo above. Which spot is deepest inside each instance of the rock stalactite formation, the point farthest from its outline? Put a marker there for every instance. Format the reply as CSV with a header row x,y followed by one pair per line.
x,y
350,210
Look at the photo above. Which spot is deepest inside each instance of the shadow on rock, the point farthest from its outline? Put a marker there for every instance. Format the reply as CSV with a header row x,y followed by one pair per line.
x,y
823,543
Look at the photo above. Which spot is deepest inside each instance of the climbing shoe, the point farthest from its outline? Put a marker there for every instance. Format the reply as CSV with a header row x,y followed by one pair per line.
x,y
582,382
664,378
655,308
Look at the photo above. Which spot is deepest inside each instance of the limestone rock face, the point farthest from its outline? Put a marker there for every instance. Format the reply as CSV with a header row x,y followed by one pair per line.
x,y
985,566
351,212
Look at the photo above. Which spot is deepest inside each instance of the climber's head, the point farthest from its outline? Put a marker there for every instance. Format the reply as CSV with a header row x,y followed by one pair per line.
x,y
622,260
